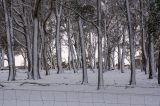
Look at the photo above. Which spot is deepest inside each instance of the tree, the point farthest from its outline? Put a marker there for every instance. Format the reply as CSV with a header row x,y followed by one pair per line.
x,y
58,7
83,53
9,33
131,44
100,71
35,41
144,53
151,34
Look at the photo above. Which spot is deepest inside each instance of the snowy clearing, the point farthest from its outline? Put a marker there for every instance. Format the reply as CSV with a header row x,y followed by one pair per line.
x,y
66,90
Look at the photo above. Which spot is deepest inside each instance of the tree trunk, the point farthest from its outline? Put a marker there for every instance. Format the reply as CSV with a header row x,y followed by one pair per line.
x,y
152,70
90,53
151,34
113,58
119,56
29,52
131,44
35,50
100,70
2,58
123,54
58,44
108,53
83,53
105,46
159,68
71,49
11,76
144,54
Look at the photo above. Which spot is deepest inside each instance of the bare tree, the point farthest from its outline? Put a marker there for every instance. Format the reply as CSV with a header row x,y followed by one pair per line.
x,y
9,31
100,70
58,44
83,53
131,44
35,41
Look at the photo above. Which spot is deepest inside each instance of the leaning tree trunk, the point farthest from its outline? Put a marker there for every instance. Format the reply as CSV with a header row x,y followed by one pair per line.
x,y
100,69
11,76
58,45
83,53
131,44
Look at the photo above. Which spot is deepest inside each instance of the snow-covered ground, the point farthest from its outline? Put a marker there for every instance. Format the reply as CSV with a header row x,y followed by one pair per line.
x,y
66,90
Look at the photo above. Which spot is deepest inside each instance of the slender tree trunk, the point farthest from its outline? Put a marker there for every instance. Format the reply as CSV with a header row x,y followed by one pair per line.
x,y
40,47
144,54
91,56
113,58
29,52
108,53
131,41
45,60
123,54
2,59
12,38
152,70
71,49
119,46
105,45
11,76
159,68
151,33
100,70
69,58
119,56
83,53
78,51
58,44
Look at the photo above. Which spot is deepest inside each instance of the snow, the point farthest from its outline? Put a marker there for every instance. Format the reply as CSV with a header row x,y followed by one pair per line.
x,y
66,90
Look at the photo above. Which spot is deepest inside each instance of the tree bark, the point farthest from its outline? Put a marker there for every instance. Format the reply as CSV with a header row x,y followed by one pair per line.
x,y
83,53
152,70
35,50
119,56
11,76
159,68
151,34
71,49
35,61
144,54
58,44
100,69
131,44
2,58
123,54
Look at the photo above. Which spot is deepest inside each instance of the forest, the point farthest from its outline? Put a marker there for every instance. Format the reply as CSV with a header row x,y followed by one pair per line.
x,y
100,35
